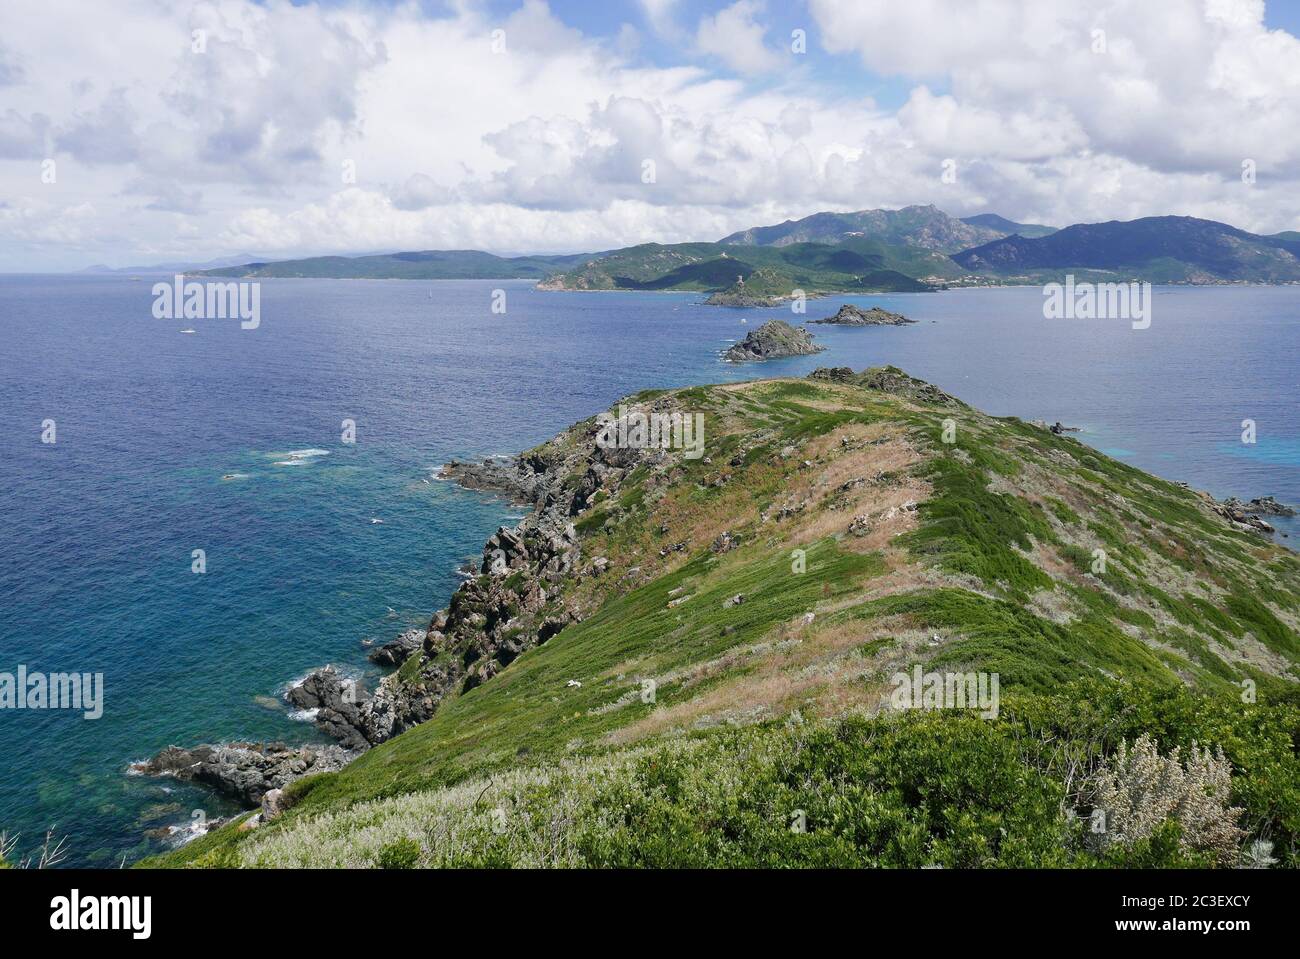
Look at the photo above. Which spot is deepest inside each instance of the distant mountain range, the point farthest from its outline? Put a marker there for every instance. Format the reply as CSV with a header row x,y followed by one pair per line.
x,y
423,265
912,249
1180,249
1006,227
924,226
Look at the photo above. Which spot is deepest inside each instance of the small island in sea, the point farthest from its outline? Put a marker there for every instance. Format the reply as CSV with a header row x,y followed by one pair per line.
x,y
773,340
850,315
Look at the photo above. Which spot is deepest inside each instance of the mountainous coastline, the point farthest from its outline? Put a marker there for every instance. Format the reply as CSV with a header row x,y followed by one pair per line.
x,y
914,249
859,264
1171,249
672,655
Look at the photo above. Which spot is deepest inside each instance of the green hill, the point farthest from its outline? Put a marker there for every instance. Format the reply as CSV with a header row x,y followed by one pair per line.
x,y
872,251
1160,249
692,660
856,265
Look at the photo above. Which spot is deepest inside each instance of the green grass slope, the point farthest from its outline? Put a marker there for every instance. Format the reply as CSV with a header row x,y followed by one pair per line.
x,y
736,652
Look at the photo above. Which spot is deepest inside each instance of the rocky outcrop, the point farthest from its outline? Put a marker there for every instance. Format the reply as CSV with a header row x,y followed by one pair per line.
x,y
338,702
398,651
849,315
1058,428
836,374
245,771
516,477
516,598
887,379
1264,506
1247,515
772,340
1239,517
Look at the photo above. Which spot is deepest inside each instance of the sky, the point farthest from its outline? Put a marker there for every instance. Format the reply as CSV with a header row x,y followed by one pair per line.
x,y
143,131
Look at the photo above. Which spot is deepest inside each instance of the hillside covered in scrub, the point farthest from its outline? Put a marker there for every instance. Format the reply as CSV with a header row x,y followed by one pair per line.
x,y
686,656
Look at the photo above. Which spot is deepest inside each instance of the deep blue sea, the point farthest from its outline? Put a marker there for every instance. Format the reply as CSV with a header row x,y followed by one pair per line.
x,y
229,441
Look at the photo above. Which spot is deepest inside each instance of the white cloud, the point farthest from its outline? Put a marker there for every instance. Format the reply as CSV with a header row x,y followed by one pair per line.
x,y
1182,86
23,138
542,146
736,38
660,15
106,134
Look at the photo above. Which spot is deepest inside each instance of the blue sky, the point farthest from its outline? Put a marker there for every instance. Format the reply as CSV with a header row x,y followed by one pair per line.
x,y
297,128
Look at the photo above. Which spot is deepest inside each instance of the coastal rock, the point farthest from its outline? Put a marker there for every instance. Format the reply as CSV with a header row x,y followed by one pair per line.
x,y
774,339
1058,428
510,602
245,771
338,702
849,315
399,650
1247,515
515,478
1263,506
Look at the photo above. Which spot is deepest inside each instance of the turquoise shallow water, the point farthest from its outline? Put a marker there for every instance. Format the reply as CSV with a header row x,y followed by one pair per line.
x,y
96,531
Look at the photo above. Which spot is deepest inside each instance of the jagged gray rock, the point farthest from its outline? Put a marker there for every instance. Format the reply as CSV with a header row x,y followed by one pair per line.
x,y
339,704
772,340
850,315
245,771
399,650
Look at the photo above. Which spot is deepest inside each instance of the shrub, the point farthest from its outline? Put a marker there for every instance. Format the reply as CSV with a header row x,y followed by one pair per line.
x,y
401,853
1139,790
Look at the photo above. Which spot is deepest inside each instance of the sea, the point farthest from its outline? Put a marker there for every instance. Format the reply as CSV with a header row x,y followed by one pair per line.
x,y
204,517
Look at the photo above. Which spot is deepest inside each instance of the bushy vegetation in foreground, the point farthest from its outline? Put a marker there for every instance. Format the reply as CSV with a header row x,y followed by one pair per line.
x,y
943,788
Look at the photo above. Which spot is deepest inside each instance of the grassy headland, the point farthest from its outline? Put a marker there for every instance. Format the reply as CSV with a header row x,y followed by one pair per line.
x,y
705,680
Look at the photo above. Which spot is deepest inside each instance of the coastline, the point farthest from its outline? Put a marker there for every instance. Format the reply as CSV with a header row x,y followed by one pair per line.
x,y
257,774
